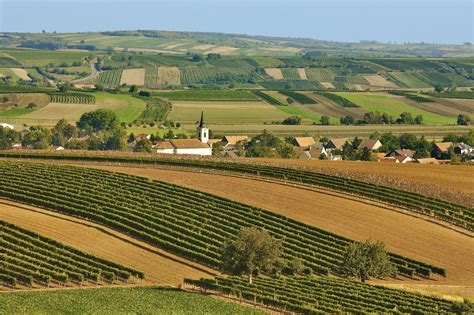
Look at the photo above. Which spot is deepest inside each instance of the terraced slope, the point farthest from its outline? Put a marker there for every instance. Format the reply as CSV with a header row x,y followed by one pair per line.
x,y
30,259
183,221
324,295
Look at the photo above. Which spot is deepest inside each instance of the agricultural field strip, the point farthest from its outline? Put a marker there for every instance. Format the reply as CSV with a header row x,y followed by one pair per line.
x,y
323,295
208,95
72,98
446,211
298,97
151,210
29,258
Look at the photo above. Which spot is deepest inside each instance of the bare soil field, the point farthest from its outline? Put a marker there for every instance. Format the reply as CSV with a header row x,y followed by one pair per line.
x,y
445,107
449,182
168,76
275,73
133,76
159,267
223,50
302,73
378,80
21,73
402,233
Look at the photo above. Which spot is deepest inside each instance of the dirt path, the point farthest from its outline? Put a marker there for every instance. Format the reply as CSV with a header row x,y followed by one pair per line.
x,y
159,266
403,234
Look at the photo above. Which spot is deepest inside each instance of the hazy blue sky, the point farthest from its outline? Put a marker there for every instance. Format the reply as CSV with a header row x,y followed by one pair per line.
x,y
436,21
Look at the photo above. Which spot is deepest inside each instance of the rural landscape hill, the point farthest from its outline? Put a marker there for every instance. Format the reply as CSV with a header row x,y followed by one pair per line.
x,y
147,171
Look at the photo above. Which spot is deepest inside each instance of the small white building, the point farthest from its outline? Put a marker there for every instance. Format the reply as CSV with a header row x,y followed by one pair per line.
x,y
198,146
5,125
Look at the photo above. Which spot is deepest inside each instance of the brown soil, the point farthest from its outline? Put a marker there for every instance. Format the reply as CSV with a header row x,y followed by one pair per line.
x,y
331,109
159,266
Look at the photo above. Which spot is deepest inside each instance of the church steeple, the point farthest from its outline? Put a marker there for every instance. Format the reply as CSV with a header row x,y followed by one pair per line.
x,y
203,131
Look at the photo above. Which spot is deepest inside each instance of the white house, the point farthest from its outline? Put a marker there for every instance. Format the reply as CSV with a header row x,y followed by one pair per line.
x,y
198,146
5,125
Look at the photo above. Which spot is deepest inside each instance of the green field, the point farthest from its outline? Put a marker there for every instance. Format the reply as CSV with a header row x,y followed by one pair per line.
x,y
386,104
128,108
41,58
15,112
230,114
138,300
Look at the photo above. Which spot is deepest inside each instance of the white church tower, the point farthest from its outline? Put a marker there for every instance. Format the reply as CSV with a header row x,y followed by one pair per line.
x,y
203,131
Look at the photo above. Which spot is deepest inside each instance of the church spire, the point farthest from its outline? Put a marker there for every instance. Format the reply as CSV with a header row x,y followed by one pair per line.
x,y
201,123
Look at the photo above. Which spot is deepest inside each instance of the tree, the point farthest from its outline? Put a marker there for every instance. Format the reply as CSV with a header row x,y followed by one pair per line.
x,y
37,137
347,120
143,145
65,87
419,120
324,120
292,120
217,148
7,138
438,88
463,120
252,251
366,154
133,89
366,260
101,119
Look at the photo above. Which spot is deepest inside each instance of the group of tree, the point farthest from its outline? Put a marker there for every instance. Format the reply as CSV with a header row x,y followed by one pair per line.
x,y
377,118
268,145
254,251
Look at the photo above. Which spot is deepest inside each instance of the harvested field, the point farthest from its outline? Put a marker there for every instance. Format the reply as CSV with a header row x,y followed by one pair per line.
x,y
449,182
223,50
327,85
275,73
21,73
403,234
203,47
23,99
133,76
56,111
378,80
168,76
159,267
445,107
302,73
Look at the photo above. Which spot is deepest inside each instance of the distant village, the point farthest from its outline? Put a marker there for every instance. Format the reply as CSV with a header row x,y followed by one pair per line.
x,y
383,148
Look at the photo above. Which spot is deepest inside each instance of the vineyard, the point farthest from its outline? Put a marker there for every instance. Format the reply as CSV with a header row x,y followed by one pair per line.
x,y
323,295
298,97
344,102
437,208
31,259
266,97
453,94
414,97
290,73
208,95
110,77
180,220
72,98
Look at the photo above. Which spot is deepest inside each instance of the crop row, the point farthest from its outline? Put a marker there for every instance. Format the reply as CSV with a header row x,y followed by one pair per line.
x,y
72,98
110,77
299,97
443,210
266,97
27,258
453,94
184,221
344,102
323,295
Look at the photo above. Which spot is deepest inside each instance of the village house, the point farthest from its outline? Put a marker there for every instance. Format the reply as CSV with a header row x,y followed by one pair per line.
x,y
400,155
229,142
441,150
198,146
370,144
313,153
463,149
303,142
335,144
5,125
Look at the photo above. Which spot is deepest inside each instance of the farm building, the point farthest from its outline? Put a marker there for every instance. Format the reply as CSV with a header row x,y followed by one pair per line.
x,y
370,144
401,155
198,146
5,125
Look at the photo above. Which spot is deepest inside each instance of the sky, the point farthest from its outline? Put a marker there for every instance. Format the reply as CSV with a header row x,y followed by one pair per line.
x,y
430,21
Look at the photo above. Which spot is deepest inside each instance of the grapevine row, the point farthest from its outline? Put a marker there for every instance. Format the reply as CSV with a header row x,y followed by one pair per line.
x,y
298,97
27,258
323,295
183,221
344,102
266,97
72,98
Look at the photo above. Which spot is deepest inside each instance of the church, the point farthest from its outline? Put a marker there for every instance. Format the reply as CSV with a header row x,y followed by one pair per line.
x,y
198,146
